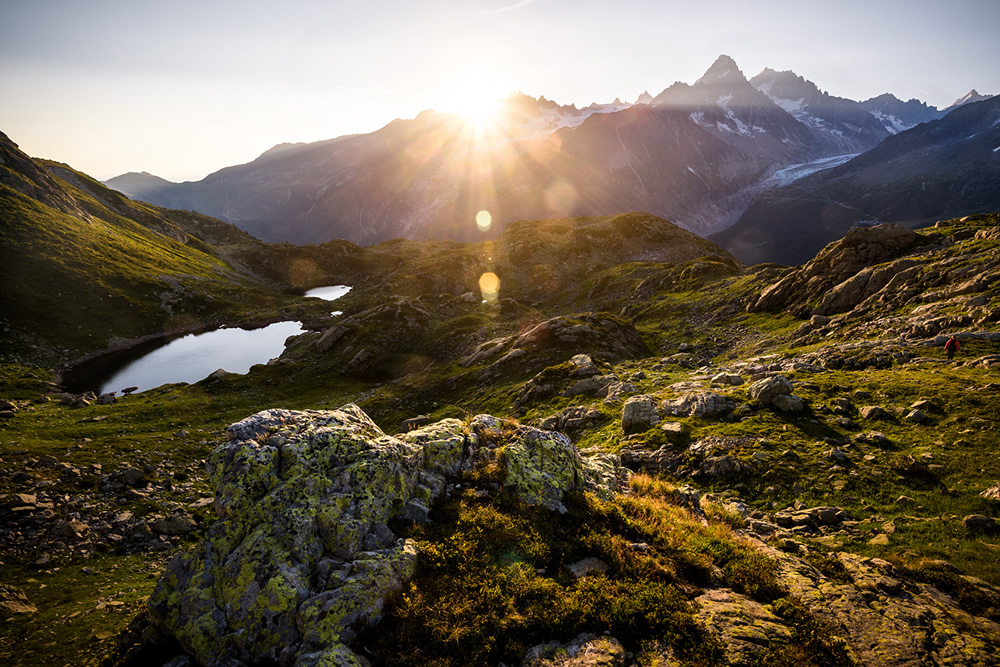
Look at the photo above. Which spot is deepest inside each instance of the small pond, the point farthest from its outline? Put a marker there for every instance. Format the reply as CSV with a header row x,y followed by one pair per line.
x,y
329,293
191,358
188,359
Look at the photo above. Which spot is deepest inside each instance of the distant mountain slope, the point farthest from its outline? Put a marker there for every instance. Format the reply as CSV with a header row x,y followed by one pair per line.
x,y
946,168
695,154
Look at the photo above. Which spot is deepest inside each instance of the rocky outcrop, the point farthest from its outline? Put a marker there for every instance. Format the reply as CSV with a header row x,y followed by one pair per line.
x,y
745,629
886,620
302,555
835,266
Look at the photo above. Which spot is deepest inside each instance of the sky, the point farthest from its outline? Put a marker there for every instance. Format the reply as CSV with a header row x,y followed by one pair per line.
x,y
183,88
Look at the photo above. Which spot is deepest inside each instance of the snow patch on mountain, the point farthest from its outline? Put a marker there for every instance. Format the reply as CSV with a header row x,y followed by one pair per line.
x,y
891,123
741,128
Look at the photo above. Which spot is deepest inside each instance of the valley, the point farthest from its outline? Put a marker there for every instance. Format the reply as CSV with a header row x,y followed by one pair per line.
x,y
627,440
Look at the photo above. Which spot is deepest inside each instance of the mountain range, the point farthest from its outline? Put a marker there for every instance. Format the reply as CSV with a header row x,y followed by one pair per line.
x,y
696,154
948,167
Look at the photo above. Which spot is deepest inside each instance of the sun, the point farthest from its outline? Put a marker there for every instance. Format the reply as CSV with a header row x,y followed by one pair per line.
x,y
476,96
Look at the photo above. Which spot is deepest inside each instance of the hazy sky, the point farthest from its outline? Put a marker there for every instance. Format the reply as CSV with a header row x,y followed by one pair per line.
x,y
183,88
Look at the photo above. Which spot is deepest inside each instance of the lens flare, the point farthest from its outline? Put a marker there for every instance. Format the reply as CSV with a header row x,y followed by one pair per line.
x,y
484,221
489,285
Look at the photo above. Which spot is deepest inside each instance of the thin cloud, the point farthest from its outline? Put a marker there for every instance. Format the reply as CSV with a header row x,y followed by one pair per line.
x,y
523,3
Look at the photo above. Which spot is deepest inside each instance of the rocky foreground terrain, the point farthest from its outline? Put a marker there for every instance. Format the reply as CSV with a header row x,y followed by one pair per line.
x,y
635,450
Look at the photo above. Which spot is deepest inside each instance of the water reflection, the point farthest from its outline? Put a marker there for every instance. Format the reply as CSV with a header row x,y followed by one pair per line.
x,y
330,292
195,357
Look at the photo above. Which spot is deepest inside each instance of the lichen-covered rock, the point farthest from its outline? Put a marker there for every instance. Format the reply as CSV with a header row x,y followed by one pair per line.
x,y
302,556
283,575
539,466
746,629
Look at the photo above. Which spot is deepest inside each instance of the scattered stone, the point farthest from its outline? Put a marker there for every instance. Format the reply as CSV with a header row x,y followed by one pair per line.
x,y
698,405
14,601
414,423
133,476
917,417
874,412
839,455
992,493
873,438
788,403
819,320
587,566
842,406
727,379
879,540
178,524
664,459
571,419
586,650
979,523
674,430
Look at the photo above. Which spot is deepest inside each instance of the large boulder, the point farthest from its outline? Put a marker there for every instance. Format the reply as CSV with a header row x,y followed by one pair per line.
x,y
302,556
770,388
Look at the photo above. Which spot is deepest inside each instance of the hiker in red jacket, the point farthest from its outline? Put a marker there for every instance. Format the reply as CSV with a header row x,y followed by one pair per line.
x,y
951,347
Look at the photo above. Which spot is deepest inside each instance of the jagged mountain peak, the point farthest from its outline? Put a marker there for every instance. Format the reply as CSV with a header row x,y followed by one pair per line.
x,y
645,98
723,70
970,97
784,84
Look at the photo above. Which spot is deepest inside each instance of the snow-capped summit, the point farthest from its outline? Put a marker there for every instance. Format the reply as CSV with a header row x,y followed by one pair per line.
x,y
970,97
